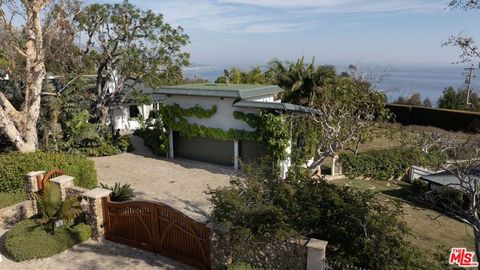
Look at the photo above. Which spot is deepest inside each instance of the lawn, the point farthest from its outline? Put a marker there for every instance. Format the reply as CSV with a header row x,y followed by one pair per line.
x,y
429,228
8,199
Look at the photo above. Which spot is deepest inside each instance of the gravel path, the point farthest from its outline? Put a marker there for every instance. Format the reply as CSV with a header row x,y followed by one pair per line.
x,y
92,255
178,183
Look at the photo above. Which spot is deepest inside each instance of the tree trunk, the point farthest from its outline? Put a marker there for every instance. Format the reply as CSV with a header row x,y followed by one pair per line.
x,y
20,127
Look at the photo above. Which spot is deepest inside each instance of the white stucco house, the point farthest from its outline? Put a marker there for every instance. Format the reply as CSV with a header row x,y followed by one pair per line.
x,y
227,98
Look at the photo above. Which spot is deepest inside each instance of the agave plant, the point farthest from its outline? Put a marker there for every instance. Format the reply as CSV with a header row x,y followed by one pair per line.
x,y
120,193
52,209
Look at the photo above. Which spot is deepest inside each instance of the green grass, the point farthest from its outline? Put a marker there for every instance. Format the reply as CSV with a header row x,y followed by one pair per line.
x,y
27,240
11,198
430,228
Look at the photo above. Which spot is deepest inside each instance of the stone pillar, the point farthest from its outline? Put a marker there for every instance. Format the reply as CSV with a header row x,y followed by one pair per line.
x,y
236,154
170,145
316,254
62,182
95,211
31,187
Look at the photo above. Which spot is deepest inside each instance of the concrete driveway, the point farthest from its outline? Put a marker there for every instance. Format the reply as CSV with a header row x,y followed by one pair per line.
x,y
179,183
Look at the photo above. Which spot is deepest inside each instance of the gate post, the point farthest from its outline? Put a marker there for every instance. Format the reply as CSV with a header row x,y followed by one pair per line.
x,y
95,211
31,187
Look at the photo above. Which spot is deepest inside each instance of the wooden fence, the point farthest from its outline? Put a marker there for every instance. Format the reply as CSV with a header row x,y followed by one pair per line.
x,y
158,228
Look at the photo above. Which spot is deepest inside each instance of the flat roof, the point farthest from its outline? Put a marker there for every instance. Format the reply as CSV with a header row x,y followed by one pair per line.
x,y
273,106
220,90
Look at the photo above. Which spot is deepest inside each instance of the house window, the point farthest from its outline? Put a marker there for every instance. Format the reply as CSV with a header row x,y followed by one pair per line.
x,y
134,112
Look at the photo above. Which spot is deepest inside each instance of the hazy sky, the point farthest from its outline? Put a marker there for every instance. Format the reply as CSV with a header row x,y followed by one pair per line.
x,y
248,32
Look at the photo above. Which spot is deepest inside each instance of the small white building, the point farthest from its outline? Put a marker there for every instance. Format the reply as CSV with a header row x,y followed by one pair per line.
x,y
227,98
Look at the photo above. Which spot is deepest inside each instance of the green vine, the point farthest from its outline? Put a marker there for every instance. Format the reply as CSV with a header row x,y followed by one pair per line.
x,y
175,118
270,129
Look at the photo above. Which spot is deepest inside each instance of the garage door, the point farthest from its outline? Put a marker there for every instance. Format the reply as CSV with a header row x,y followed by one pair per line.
x,y
251,151
203,149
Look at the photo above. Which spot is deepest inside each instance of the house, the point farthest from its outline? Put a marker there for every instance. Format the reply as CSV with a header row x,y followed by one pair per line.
x,y
227,99
125,117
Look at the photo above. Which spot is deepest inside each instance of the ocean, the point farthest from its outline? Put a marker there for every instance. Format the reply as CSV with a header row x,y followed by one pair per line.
x,y
394,81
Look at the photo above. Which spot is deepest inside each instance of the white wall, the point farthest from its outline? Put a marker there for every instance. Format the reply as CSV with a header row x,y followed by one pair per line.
x,y
222,119
266,98
121,116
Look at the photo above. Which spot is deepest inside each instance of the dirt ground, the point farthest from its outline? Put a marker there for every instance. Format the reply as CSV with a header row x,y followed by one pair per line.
x,y
178,183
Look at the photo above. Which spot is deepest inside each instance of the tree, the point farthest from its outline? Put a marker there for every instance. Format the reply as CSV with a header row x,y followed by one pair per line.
x,y
427,103
257,210
460,199
237,76
414,100
19,124
456,100
300,81
469,51
129,43
343,113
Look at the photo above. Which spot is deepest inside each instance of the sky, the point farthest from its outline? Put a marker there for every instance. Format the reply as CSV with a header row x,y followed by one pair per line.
x,y
338,32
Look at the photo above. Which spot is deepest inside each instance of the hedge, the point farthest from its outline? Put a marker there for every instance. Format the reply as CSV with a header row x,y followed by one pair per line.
x,y
14,166
27,240
388,164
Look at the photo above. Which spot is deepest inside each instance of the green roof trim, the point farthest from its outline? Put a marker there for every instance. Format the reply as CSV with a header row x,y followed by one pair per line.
x,y
278,106
220,90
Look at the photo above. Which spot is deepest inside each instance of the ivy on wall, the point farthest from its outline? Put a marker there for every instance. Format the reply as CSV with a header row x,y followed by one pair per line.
x,y
175,118
270,129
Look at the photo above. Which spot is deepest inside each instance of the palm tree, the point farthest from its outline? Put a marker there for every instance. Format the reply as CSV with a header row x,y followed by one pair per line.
x,y
301,81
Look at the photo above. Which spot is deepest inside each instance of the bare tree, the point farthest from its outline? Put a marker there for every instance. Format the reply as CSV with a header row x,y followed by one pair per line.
x,y
19,125
461,198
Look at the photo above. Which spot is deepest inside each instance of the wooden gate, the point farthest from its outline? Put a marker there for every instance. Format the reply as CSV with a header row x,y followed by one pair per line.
x,y
41,183
159,228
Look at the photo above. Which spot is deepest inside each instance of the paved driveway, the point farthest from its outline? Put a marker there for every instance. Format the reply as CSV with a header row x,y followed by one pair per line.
x,y
178,183
92,255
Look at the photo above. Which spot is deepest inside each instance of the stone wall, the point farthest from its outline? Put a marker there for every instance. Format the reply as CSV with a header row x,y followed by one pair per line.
x,y
300,253
91,199
15,213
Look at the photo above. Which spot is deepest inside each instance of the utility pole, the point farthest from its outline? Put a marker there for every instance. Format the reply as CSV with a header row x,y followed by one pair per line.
x,y
468,82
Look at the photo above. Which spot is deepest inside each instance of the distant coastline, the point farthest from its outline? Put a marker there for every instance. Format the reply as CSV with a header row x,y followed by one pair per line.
x,y
429,81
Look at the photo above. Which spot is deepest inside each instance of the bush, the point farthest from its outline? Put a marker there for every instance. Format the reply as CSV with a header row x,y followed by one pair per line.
x,y
157,141
101,151
120,193
27,240
257,210
388,164
15,165
124,144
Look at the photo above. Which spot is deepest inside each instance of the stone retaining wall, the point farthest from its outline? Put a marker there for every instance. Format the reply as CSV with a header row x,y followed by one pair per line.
x,y
300,253
15,213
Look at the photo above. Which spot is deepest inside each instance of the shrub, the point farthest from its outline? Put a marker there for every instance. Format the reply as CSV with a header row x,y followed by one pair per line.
x,y
157,141
15,165
101,151
27,240
120,193
124,144
388,164
53,209
257,210
419,187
